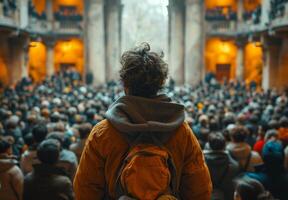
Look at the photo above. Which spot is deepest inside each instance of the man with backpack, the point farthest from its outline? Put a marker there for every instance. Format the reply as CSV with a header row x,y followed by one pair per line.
x,y
144,149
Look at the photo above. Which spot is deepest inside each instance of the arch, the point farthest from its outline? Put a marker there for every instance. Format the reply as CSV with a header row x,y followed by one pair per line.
x,y
69,54
221,54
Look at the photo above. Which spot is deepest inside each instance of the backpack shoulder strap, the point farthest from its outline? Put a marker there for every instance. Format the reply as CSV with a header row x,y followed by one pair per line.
x,y
247,161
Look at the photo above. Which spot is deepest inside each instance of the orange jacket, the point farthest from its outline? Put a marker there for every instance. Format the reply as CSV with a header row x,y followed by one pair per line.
x,y
103,154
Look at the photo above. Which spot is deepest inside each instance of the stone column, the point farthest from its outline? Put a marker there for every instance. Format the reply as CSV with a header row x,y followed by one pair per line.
x,y
50,68
113,10
17,67
240,62
266,69
193,42
24,13
240,10
95,41
24,57
265,11
49,14
176,46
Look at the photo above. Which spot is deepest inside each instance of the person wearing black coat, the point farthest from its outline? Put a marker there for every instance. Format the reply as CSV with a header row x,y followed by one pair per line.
x,y
222,167
47,181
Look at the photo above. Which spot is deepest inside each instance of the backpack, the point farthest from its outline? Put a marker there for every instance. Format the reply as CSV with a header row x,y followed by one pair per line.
x,y
147,172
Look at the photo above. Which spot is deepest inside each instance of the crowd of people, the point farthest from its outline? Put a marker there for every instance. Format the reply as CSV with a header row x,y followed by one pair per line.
x,y
242,130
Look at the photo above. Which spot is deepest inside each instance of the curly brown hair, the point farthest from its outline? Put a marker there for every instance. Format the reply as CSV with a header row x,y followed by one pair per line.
x,y
143,72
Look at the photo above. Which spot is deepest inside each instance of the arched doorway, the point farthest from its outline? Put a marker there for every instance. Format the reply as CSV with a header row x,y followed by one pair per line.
x,y
69,55
220,58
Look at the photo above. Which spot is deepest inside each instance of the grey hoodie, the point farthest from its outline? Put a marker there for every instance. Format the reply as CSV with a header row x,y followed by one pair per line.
x,y
145,118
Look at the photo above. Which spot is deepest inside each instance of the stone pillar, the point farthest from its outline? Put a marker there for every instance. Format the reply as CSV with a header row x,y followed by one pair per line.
x,y
193,42
49,14
24,57
271,58
266,69
240,10
50,68
113,49
176,46
265,11
24,13
95,41
240,62
17,67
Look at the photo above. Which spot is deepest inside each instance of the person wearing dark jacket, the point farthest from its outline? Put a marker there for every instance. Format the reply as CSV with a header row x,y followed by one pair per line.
x,y
222,167
47,181
11,177
272,175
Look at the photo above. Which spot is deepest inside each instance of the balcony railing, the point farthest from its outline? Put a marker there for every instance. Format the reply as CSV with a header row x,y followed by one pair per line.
x,y
220,14
8,13
227,27
253,17
279,13
68,20
38,21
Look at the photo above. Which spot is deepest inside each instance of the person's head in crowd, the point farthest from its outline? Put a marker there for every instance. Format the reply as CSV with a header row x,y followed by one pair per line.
x,y
12,122
56,136
59,127
55,117
229,118
32,119
271,134
39,133
250,189
216,141
204,120
5,147
28,139
273,124
143,73
84,130
48,151
273,156
238,134
90,113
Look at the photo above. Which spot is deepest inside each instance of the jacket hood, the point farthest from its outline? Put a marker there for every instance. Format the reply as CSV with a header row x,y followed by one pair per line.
x,y
132,115
7,162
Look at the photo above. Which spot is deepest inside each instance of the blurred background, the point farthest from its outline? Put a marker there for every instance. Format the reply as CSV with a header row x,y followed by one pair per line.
x,y
231,39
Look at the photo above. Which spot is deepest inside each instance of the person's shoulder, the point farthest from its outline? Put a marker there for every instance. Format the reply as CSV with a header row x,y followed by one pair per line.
x,y
105,135
102,130
184,133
